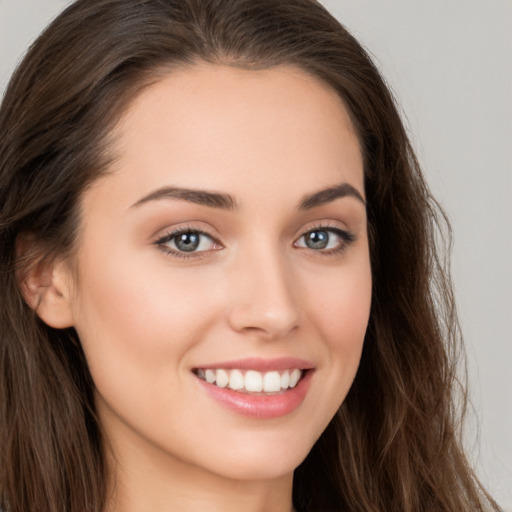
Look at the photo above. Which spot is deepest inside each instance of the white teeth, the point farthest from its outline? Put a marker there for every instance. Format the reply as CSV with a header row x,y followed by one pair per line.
x,y
271,382
221,378
294,377
236,380
285,380
252,381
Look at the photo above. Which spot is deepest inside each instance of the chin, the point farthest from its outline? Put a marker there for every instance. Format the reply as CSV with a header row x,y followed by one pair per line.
x,y
257,462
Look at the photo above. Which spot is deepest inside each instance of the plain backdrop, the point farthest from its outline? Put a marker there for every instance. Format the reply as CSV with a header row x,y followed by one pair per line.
x,y
449,63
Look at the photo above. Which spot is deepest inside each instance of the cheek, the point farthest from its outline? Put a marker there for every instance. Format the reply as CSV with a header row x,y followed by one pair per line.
x,y
131,321
339,305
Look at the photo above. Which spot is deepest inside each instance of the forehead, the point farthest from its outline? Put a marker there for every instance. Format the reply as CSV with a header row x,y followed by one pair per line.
x,y
222,127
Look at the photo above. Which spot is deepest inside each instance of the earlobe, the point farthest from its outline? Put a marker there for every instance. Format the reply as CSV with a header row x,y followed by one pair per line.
x,y
46,287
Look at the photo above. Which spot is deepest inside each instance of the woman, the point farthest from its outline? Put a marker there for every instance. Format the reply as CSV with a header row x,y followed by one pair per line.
x,y
222,289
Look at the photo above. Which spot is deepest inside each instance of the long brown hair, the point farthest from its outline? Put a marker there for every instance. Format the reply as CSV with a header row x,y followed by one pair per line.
x,y
394,444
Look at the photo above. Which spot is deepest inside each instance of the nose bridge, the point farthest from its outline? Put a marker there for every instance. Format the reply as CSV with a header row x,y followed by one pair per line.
x,y
261,291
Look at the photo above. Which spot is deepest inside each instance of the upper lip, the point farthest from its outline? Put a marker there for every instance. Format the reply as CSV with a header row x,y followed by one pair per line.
x,y
260,364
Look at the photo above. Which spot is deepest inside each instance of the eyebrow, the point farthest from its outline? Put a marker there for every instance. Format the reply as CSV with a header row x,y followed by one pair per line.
x,y
202,197
227,202
330,194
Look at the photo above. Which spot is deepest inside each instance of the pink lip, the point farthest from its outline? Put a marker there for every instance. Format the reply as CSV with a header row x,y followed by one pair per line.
x,y
261,365
260,406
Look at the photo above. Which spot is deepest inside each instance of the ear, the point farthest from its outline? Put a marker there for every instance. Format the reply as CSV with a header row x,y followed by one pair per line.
x,y
46,287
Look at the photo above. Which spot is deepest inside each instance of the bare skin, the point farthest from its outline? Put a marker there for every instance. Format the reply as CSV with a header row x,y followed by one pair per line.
x,y
258,285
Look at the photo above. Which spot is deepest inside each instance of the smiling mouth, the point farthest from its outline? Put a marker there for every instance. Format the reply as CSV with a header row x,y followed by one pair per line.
x,y
252,381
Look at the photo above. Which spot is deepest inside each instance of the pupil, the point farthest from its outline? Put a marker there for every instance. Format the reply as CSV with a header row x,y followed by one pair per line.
x,y
187,241
317,239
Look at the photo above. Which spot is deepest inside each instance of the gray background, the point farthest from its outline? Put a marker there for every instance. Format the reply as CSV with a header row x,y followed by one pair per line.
x,y
450,64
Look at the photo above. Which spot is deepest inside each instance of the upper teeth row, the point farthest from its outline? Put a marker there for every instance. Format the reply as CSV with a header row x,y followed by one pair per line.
x,y
252,380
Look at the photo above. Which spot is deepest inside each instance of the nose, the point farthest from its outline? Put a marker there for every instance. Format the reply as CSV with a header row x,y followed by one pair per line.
x,y
261,299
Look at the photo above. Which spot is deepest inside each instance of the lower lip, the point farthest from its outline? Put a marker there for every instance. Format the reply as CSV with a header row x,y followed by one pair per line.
x,y
260,406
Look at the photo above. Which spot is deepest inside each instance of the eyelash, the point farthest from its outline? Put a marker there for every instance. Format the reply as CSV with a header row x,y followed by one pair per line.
x,y
160,243
346,237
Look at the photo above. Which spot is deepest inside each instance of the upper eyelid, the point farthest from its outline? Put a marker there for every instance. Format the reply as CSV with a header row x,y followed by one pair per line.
x,y
170,232
325,225
347,235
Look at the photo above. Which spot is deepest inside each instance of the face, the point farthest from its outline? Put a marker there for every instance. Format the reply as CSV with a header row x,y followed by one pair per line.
x,y
227,242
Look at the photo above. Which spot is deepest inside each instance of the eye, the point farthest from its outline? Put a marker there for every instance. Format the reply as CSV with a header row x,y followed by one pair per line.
x,y
330,240
186,241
